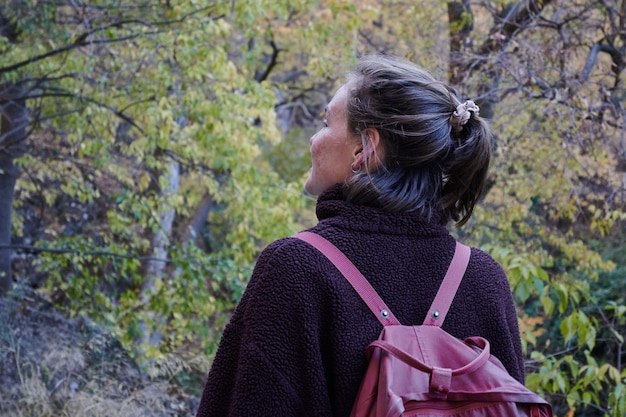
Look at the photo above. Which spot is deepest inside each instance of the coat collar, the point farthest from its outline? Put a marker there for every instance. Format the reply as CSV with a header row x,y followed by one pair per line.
x,y
333,209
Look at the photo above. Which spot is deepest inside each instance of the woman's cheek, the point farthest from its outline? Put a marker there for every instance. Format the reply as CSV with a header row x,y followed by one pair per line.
x,y
316,155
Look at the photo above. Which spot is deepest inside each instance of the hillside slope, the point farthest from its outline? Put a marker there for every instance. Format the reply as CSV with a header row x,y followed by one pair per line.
x,y
54,366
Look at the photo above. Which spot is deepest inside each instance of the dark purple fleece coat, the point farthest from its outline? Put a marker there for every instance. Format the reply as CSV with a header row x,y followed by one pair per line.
x,y
295,344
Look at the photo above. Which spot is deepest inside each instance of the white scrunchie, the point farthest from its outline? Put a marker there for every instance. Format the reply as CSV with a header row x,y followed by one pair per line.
x,y
463,113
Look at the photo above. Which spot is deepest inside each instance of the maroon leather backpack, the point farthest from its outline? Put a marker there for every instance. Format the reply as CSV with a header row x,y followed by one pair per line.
x,y
424,371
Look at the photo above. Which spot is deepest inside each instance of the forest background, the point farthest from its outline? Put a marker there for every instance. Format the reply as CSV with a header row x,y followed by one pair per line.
x,y
150,149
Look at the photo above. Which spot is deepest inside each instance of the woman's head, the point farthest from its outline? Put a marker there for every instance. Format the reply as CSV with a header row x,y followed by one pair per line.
x,y
422,147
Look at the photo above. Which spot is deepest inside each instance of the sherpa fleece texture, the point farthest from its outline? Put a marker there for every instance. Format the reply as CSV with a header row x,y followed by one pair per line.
x,y
296,342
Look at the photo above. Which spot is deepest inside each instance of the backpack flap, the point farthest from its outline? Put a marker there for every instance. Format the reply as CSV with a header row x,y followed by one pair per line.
x,y
440,380
432,368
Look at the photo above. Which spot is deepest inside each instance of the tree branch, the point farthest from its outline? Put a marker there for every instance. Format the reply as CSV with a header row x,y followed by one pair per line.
x,y
517,18
82,39
617,57
37,250
79,42
118,113
270,66
591,60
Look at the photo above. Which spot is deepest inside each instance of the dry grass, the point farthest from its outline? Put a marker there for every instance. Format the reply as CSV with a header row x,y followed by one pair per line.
x,y
52,366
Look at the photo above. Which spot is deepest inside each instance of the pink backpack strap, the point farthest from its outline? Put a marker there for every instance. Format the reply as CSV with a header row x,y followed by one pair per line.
x,y
352,274
439,307
447,290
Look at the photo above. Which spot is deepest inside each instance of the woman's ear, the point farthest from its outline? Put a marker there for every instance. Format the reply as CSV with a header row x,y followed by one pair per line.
x,y
372,142
369,149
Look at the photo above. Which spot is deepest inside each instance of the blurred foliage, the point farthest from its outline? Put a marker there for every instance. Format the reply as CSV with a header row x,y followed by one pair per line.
x,y
169,145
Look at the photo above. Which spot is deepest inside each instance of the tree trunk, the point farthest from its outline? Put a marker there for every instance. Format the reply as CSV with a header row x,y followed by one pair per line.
x,y
7,184
13,120
161,238
460,23
193,229
160,245
514,17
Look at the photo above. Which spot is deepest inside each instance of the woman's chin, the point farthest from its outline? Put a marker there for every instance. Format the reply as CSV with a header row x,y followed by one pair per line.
x,y
310,188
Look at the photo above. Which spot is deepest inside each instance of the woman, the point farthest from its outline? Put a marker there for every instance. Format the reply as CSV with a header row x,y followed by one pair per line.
x,y
398,158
